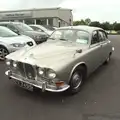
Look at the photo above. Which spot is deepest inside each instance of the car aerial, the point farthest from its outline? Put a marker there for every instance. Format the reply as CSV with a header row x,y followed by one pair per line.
x,y
47,29
23,29
10,42
62,63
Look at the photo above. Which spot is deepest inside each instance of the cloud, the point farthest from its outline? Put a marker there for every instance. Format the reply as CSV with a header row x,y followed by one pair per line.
x,y
102,10
27,4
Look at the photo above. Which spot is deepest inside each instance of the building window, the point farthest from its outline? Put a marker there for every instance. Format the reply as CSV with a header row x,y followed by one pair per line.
x,y
50,21
59,22
41,21
29,21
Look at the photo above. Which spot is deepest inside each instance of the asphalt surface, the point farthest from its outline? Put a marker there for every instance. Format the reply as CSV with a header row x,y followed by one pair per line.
x,y
99,98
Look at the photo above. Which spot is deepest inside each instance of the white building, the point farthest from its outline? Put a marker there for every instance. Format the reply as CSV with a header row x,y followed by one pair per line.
x,y
56,17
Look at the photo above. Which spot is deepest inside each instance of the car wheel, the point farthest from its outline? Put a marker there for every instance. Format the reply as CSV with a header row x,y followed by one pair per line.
x,y
76,80
3,53
108,59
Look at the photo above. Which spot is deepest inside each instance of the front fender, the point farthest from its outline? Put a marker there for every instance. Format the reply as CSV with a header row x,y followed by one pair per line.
x,y
74,68
5,45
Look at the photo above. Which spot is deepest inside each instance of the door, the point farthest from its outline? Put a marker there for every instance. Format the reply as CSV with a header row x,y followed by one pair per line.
x,y
104,45
94,52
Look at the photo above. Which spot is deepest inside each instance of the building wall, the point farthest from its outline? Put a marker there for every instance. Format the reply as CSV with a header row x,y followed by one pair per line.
x,y
55,22
45,13
66,15
54,16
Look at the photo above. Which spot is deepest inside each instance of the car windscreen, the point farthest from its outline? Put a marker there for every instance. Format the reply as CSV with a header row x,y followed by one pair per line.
x,y
23,27
78,36
5,32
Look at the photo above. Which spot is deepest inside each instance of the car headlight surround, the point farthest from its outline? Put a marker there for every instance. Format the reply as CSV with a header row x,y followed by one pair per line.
x,y
51,74
41,72
18,44
47,73
14,64
8,62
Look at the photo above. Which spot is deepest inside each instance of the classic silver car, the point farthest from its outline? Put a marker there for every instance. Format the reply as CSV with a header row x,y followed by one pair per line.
x,y
69,56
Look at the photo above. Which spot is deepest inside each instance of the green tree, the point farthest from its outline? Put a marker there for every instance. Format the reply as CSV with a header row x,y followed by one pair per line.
x,y
113,25
117,27
81,22
106,26
87,21
76,23
95,24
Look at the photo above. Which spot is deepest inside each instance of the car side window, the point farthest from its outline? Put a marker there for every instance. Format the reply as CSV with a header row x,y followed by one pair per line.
x,y
82,37
105,35
95,38
102,36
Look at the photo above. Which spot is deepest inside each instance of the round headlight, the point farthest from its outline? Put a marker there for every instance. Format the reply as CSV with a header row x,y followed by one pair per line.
x,y
14,64
8,62
51,74
41,71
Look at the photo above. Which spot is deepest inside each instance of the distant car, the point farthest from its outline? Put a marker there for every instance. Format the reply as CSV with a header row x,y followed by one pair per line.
x,y
47,29
23,29
10,42
63,62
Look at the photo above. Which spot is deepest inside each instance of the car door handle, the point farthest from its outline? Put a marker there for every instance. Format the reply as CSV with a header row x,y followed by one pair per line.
x,y
101,45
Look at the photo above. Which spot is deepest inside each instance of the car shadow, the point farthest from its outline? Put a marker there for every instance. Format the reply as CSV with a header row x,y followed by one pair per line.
x,y
100,70
59,98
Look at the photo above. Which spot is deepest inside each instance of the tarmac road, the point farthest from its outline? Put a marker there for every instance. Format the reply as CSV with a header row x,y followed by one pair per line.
x,y
99,98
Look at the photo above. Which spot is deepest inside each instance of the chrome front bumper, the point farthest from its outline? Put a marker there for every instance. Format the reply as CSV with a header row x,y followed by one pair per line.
x,y
38,84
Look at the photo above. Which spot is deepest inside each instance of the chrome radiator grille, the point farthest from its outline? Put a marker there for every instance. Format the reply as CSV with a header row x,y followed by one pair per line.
x,y
27,70
21,69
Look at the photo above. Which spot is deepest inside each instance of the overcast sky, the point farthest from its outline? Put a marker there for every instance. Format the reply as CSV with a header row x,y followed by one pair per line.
x,y
102,10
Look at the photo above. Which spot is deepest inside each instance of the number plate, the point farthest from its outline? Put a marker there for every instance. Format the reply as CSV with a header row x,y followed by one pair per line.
x,y
24,85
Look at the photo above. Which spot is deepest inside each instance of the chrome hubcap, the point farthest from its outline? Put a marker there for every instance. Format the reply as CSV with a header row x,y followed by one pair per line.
x,y
3,53
77,80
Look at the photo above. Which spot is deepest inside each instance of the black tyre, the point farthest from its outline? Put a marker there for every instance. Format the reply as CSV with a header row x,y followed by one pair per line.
x,y
3,53
77,79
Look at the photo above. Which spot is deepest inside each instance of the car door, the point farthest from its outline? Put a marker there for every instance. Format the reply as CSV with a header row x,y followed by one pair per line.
x,y
104,45
95,52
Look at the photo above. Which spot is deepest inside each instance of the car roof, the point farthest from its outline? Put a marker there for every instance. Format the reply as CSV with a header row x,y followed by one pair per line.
x,y
11,23
4,27
89,29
